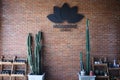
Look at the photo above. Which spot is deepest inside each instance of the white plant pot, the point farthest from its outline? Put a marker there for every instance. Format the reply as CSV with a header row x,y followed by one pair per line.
x,y
36,77
86,77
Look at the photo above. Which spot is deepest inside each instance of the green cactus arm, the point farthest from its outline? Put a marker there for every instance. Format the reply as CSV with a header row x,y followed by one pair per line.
x,y
87,48
36,53
29,40
30,60
36,39
35,59
39,36
38,60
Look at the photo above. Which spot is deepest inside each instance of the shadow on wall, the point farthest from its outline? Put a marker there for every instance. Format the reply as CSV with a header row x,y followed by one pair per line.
x,y
0,12
0,24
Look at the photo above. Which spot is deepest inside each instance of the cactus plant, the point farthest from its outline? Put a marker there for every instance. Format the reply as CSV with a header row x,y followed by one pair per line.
x,y
87,48
34,55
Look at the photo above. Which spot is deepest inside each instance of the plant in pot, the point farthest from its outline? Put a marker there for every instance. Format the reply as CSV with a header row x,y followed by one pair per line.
x,y
35,57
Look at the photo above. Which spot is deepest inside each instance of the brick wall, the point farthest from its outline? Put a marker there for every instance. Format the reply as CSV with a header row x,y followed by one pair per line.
x,y
61,49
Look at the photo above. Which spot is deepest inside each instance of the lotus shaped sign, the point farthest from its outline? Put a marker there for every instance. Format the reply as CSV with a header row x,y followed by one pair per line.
x,y
65,13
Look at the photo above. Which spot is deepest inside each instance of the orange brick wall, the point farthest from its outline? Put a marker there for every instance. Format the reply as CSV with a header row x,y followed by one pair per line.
x,y
61,49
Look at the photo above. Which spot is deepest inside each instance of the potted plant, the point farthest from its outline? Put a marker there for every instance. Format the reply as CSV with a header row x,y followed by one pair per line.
x,y
35,57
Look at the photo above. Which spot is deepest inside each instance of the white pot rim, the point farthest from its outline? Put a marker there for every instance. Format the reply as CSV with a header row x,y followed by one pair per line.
x,y
35,74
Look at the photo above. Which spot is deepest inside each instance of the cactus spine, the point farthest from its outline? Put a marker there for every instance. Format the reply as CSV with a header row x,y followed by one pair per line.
x,y
34,59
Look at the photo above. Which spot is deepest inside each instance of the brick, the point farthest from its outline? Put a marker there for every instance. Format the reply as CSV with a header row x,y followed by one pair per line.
x,y
61,49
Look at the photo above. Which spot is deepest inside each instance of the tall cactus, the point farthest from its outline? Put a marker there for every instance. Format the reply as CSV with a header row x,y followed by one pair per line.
x,y
34,60
87,48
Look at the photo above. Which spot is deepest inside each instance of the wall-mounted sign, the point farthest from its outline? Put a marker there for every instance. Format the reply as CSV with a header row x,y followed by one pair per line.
x,y
65,14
